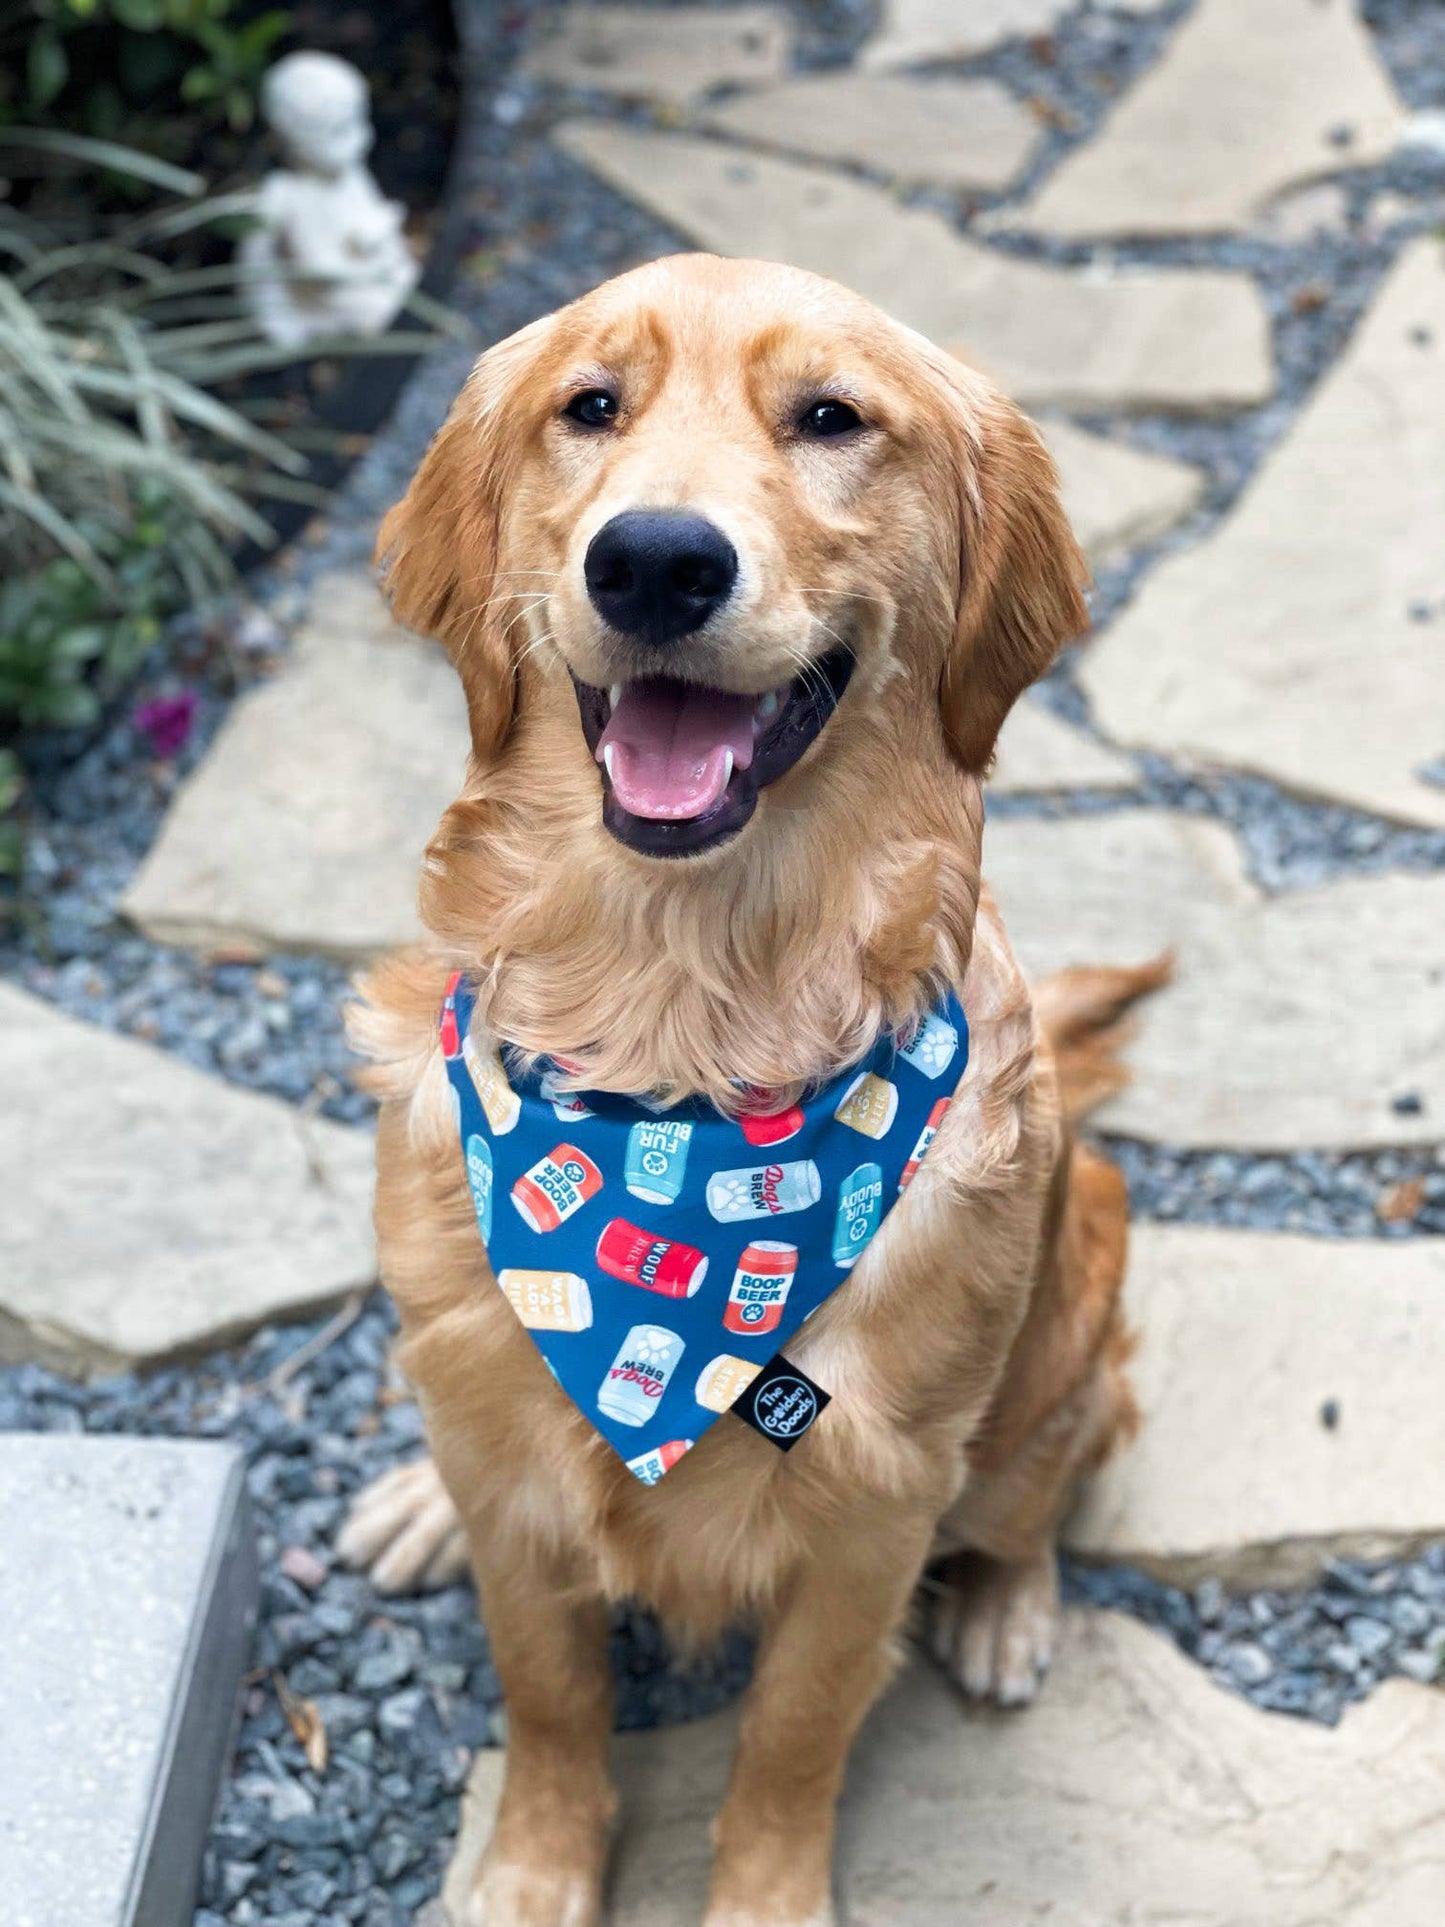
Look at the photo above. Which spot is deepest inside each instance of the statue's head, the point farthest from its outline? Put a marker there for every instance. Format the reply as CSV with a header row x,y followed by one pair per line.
x,y
318,108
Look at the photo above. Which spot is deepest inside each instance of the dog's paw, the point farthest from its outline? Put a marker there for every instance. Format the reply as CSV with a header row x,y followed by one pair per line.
x,y
509,1895
728,1916
405,1532
992,1626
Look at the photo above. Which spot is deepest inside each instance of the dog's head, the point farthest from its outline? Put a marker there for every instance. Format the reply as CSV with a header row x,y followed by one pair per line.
x,y
730,497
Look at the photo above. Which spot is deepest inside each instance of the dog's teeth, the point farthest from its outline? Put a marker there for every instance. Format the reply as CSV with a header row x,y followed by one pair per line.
x,y
768,707
609,750
727,767
614,694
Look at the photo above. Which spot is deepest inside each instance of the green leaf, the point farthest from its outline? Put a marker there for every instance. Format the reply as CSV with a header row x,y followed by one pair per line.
x,y
93,153
81,644
47,67
72,706
141,16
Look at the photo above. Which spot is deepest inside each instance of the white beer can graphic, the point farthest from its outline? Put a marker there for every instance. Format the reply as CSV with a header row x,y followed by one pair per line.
x,y
640,1374
567,1105
869,1105
764,1191
722,1383
933,1046
549,1301
500,1102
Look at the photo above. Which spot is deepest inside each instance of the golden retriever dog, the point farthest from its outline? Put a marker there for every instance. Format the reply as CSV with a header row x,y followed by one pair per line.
x,y
732,506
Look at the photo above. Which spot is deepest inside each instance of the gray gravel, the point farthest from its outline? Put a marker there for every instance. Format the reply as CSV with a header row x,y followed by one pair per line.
x,y
406,1688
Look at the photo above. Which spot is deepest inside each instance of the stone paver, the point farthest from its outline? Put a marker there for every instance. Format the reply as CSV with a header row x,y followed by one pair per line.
x,y
1243,1338
1155,338
1249,97
1302,1020
150,1209
305,825
672,54
1118,497
1038,750
952,133
1133,1790
911,31
127,1592
1306,639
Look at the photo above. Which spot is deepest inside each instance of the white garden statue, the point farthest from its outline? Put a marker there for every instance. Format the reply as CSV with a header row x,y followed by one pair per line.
x,y
328,256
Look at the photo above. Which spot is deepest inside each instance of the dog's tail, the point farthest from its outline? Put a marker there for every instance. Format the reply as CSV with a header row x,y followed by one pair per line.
x,y
1085,1015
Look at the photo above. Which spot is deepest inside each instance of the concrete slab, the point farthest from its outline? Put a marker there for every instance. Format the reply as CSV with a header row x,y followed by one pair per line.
x,y
950,133
127,1595
1119,498
151,1209
1193,340
1243,1337
1305,639
304,827
1250,97
912,31
1312,1019
672,55
1039,751
1133,1790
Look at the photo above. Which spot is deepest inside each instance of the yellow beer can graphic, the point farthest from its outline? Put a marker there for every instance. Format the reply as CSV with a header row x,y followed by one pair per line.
x,y
869,1105
548,1301
500,1102
723,1382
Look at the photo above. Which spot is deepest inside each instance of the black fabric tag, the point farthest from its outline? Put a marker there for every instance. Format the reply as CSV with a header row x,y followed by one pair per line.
x,y
781,1403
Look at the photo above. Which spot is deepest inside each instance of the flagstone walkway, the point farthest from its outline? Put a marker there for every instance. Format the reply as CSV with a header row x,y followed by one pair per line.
x,y
1228,307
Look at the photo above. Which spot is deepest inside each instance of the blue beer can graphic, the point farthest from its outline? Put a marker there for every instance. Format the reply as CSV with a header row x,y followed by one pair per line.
x,y
656,1159
860,1211
481,1176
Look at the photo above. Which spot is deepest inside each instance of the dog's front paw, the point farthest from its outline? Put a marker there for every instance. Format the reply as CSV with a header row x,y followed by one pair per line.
x,y
405,1532
729,1916
993,1625
508,1894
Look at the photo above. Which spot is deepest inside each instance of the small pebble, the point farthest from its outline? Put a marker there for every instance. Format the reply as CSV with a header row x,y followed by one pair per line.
x,y
302,1565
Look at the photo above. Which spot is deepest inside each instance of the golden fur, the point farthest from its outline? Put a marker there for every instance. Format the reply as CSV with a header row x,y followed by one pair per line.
x,y
975,1354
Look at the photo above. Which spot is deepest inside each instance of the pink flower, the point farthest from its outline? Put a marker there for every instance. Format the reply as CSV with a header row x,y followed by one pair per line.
x,y
167,720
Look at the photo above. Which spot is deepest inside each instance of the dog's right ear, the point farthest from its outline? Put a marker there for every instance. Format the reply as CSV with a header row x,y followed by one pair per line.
x,y
437,549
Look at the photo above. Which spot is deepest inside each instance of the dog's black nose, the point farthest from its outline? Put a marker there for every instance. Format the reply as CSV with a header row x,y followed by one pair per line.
x,y
658,574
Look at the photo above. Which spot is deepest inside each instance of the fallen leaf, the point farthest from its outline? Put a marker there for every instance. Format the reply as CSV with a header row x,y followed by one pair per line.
x,y
307,1726
1401,1203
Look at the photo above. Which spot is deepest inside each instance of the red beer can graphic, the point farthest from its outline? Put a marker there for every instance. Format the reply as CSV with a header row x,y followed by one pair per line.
x,y
772,1127
662,1265
925,1138
760,1287
556,1186
451,1036
650,1466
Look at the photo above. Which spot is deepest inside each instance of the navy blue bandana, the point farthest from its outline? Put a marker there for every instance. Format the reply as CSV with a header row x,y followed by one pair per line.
x,y
661,1258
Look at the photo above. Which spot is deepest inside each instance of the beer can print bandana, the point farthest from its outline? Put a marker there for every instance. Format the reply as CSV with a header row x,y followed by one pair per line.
x,y
661,1259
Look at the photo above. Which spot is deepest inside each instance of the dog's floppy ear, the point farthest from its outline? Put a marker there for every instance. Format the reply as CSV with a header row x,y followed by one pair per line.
x,y
1022,575
438,546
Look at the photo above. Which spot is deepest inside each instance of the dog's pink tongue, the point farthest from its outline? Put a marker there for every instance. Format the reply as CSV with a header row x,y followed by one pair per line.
x,y
666,746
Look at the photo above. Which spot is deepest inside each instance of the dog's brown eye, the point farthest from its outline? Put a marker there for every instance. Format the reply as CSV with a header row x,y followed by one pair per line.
x,y
594,408
828,418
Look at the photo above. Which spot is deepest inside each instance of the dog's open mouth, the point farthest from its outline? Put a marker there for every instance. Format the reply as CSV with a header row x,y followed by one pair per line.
x,y
683,765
